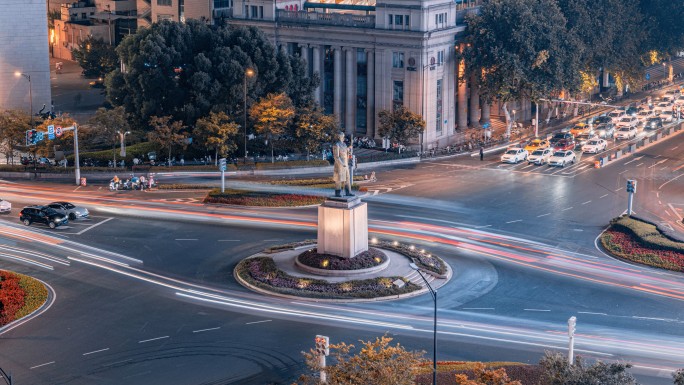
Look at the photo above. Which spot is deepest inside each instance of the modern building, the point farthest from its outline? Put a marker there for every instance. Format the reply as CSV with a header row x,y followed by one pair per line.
x,y
24,55
152,11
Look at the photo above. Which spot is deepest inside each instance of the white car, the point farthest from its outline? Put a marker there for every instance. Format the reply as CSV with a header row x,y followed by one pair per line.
x,y
671,94
514,155
540,156
666,116
616,115
626,133
628,121
644,115
594,146
662,106
561,158
5,206
680,100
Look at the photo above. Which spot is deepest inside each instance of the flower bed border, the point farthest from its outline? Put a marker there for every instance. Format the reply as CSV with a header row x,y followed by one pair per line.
x,y
342,273
31,292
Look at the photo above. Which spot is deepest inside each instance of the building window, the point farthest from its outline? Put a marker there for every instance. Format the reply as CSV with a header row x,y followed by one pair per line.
x,y
406,20
399,20
261,12
438,122
254,10
165,3
328,79
361,91
440,57
222,4
397,94
397,60
391,19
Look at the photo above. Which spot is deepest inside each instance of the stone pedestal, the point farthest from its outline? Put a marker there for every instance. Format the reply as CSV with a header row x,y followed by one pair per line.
x,y
342,227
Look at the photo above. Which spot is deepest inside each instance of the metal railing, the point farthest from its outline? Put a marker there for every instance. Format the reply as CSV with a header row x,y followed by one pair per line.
x,y
341,19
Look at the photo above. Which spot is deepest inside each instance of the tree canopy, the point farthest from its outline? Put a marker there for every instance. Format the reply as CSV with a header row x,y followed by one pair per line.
x,y
217,132
96,57
272,115
400,125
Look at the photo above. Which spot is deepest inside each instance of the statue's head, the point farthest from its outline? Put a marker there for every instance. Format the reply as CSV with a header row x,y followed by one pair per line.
x,y
340,136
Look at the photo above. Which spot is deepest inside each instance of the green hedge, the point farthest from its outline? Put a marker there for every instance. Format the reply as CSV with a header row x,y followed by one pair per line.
x,y
132,151
647,234
291,164
261,198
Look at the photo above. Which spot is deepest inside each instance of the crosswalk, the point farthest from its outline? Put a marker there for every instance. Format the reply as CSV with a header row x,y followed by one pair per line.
x,y
384,188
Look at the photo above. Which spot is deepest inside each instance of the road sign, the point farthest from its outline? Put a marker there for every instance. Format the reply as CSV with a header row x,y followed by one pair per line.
x,y
222,164
58,131
648,76
51,132
40,136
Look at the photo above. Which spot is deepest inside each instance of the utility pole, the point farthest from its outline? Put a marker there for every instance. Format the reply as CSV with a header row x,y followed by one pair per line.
x,y
109,21
572,323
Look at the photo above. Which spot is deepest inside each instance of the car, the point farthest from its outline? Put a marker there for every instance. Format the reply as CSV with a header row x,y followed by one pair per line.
x,y
605,130
666,116
626,133
5,206
680,100
536,144
561,158
581,140
644,115
653,123
631,111
69,210
560,136
42,214
594,146
97,83
616,115
602,119
671,94
514,155
564,144
580,128
662,106
628,121
540,156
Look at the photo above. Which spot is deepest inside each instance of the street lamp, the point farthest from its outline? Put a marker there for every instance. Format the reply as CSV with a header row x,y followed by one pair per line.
x,y
122,136
19,74
433,292
513,111
248,73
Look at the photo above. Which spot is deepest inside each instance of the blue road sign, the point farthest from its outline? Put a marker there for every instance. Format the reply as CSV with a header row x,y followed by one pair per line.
x,y
648,76
51,132
40,136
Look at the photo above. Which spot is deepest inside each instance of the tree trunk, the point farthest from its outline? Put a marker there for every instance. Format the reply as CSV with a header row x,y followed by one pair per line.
x,y
216,157
272,158
169,160
509,122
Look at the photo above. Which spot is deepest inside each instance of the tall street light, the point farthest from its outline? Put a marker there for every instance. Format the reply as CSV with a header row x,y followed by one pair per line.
x,y
248,73
433,292
19,74
122,136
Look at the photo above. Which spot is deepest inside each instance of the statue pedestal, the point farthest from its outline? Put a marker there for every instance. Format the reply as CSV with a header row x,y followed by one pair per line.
x,y
342,227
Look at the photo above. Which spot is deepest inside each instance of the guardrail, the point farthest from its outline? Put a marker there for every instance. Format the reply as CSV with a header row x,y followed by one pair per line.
x,y
629,148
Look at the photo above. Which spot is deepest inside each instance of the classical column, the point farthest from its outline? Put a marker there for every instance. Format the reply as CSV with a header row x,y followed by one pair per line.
x,y
304,54
316,68
350,90
474,101
462,100
337,83
370,94
485,112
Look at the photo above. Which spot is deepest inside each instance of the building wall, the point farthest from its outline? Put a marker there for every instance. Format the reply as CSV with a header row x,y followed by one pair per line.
x,y
198,9
24,48
69,36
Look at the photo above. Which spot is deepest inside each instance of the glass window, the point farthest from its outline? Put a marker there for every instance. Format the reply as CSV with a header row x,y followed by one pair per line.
x,y
438,122
398,94
397,60
391,19
399,20
166,3
406,20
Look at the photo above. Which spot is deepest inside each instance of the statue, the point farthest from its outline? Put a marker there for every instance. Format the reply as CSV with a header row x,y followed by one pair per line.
x,y
341,169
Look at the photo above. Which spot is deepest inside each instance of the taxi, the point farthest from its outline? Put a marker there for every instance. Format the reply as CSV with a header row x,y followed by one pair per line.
x,y
579,128
537,144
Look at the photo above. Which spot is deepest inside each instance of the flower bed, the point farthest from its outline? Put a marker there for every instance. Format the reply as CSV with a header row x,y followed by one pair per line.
x,y
647,234
424,260
20,295
526,374
315,182
263,273
626,245
258,198
369,258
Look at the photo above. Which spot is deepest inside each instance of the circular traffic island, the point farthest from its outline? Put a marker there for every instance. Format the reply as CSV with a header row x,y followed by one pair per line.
x,y
370,261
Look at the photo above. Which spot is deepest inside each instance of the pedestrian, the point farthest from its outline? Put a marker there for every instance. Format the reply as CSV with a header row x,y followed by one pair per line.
x,y
142,182
481,153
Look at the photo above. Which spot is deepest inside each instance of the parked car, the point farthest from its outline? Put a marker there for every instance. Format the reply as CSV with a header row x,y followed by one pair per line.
x,y
628,121
564,144
616,115
69,210
605,130
594,146
581,128
561,158
42,214
537,144
653,123
5,206
514,155
644,115
626,133
540,156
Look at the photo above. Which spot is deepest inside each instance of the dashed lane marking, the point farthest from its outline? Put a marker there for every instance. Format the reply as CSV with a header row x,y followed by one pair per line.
x,y
567,208
517,220
536,310
38,366
205,330
543,215
603,196
152,339
96,351
257,322
586,202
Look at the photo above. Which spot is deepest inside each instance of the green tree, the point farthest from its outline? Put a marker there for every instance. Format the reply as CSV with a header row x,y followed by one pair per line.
x,y
96,57
167,133
271,116
103,128
13,127
557,371
377,362
313,128
662,21
400,125
217,132
678,377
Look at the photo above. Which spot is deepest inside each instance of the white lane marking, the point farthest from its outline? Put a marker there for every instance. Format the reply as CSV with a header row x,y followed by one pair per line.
x,y
536,310
96,351
153,339
649,318
186,239
257,322
674,148
589,312
622,172
76,189
633,160
618,189
93,226
577,230
272,240
38,366
568,208
478,308
205,330
586,202
675,178
528,166
640,164
664,168
228,240
543,215
517,220
482,227
603,196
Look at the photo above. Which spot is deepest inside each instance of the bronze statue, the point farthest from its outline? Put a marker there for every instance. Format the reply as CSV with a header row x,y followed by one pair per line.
x,y
341,169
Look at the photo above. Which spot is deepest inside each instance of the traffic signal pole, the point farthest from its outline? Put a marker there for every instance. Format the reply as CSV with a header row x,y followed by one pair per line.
x,y
572,322
77,163
631,189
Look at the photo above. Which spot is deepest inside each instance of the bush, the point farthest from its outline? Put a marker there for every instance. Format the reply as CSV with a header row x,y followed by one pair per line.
x,y
370,258
35,295
315,182
259,198
625,245
446,372
647,234
132,151
292,164
262,272
425,260
20,295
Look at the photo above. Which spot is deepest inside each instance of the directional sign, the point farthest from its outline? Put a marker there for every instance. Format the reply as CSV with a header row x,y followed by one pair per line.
x,y
648,76
222,164
51,132
40,136
58,131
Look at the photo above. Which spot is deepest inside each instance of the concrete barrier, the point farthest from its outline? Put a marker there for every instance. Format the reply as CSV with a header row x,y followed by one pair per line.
x,y
666,132
632,148
617,154
605,160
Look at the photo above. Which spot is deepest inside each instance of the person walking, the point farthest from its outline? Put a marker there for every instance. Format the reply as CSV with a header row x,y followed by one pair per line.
x,y
481,153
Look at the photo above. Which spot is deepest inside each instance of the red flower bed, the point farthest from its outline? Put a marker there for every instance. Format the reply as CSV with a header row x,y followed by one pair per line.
x,y
11,297
253,198
625,245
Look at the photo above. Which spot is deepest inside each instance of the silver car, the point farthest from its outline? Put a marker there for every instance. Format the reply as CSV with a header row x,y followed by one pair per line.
x,y
5,206
69,210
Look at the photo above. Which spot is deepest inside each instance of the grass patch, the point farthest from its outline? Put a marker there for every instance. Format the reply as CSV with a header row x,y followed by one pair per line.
x,y
261,198
262,272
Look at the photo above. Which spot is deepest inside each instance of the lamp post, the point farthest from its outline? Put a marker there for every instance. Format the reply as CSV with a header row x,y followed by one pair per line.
x,y
18,74
122,136
433,293
248,73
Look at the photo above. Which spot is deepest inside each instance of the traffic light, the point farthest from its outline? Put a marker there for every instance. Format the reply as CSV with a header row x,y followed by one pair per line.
x,y
31,137
322,345
631,185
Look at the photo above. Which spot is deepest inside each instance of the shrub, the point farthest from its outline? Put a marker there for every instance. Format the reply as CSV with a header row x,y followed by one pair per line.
x,y
425,260
184,186
647,234
369,258
132,151
292,164
262,272
289,246
315,182
259,198
11,296
35,295
446,371
624,245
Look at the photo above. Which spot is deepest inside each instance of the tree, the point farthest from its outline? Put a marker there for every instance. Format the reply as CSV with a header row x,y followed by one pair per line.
x,y
662,21
167,133
521,49
486,377
557,371
271,116
13,127
678,377
104,126
96,57
313,128
376,363
400,125
217,132
65,141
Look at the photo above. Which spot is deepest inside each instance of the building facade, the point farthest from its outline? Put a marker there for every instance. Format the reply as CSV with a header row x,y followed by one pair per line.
x,y
24,50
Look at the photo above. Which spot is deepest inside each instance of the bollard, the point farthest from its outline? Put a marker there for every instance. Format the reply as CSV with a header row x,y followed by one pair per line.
x,y
597,164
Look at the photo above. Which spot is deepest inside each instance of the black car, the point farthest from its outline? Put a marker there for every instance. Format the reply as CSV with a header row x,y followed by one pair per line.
x,y
561,136
653,123
42,214
602,119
